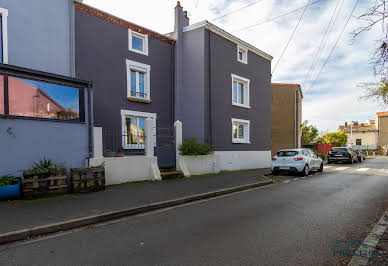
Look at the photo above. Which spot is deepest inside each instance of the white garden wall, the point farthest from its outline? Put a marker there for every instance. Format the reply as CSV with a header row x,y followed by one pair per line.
x,y
129,168
223,160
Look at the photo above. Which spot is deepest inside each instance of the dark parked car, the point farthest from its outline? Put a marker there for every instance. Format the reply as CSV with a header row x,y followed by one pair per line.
x,y
342,154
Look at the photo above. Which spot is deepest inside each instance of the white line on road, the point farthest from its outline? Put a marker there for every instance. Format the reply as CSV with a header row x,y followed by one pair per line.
x,y
381,170
295,179
304,177
286,181
328,167
362,169
371,241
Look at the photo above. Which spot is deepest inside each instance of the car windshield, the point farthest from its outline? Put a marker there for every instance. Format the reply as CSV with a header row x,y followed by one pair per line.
x,y
286,153
339,149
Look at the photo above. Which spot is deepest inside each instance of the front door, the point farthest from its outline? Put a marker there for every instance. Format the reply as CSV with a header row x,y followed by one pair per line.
x,y
165,147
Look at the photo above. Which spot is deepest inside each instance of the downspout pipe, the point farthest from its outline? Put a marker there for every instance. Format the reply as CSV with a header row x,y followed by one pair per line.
x,y
210,90
173,82
90,120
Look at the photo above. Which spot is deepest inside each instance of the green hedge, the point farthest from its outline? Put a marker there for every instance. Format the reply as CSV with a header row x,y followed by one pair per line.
x,y
7,180
193,147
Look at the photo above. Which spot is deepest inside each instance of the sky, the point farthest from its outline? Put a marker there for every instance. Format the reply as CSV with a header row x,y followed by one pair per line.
x,y
331,97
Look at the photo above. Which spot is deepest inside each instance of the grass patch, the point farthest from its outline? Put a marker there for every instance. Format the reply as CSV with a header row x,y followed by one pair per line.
x,y
42,199
277,179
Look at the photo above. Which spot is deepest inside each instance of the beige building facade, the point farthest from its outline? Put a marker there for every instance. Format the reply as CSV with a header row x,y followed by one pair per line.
x,y
371,136
286,116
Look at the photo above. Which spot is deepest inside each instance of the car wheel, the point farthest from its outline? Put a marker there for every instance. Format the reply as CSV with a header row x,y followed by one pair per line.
x,y
328,162
305,171
275,172
320,168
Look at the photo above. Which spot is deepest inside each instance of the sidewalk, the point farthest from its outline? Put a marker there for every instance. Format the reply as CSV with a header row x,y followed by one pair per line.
x,y
20,215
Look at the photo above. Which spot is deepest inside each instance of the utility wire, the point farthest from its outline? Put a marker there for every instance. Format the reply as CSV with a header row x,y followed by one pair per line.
x,y
271,19
292,35
335,45
235,11
313,64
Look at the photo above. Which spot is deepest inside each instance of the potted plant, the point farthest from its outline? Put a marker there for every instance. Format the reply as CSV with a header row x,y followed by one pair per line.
x,y
9,187
44,177
88,179
109,153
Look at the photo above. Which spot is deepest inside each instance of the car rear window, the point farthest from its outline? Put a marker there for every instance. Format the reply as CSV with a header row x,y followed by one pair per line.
x,y
339,149
286,153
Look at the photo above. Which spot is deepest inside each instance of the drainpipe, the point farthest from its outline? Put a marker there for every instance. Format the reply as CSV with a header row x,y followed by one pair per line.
x,y
210,93
173,82
90,120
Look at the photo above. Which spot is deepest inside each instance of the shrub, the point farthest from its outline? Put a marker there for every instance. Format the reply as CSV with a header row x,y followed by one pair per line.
x,y
7,180
322,156
193,147
43,166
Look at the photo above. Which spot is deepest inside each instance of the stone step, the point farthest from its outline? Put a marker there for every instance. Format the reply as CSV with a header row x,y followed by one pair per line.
x,y
171,175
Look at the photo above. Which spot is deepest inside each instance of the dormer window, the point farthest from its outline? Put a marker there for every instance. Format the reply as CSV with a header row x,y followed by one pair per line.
x,y
242,55
138,42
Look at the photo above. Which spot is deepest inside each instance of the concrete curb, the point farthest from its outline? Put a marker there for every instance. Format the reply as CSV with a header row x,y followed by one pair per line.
x,y
24,234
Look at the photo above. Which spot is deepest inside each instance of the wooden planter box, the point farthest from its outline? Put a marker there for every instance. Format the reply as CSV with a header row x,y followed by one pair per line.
x,y
36,185
87,179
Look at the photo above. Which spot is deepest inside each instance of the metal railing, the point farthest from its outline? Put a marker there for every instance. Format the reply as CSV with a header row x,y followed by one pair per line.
x,y
139,94
114,140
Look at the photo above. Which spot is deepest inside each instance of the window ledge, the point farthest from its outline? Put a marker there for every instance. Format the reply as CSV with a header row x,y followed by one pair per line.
x,y
241,105
140,100
11,117
138,51
241,142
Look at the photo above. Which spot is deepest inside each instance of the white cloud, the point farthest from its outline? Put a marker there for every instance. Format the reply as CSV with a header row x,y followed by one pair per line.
x,y
334,97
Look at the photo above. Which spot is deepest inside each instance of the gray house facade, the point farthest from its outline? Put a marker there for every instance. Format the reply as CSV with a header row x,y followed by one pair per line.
x,y
217,85
223,92
43,108
132,72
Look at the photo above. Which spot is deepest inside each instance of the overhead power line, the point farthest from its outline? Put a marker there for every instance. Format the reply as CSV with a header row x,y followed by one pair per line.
x,y
235,11
292,35
313,64
277,17
335,45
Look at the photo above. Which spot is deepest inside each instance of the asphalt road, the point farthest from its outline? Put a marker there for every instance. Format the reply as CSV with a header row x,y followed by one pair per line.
x,y
291,223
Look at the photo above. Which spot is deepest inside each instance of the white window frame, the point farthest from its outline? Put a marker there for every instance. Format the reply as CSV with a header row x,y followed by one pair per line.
x,y
130,113
146,69
246,83
4,16
247,126
244,52
144,37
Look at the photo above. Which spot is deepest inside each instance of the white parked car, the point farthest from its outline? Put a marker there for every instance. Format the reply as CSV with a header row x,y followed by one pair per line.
x,y
300,161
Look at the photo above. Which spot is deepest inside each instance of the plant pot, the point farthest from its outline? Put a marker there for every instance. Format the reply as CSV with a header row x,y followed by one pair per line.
x,y
35,185
87,179
109,154
10,192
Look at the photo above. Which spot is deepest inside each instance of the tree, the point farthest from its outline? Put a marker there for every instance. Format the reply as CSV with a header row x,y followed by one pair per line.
x,y
309,133
374,16
338,139
377,91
